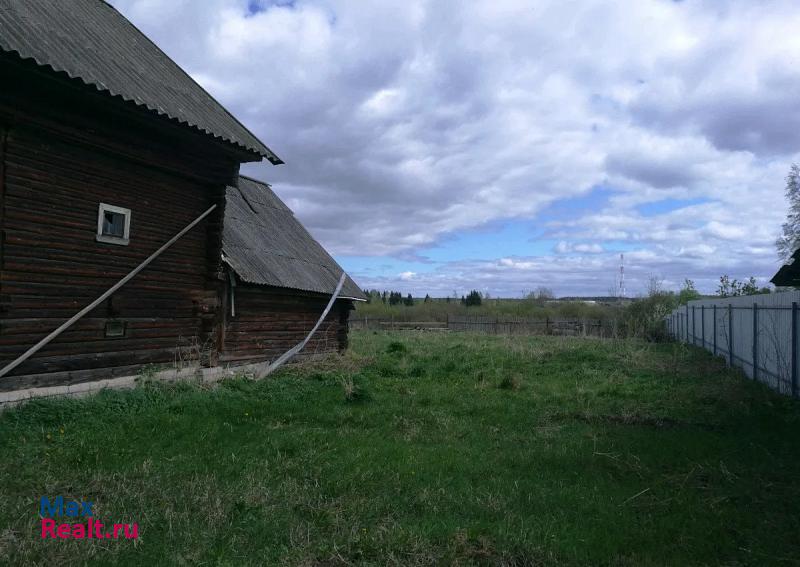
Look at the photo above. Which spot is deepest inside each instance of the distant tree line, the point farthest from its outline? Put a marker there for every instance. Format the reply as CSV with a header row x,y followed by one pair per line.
x,y
390,297
473,298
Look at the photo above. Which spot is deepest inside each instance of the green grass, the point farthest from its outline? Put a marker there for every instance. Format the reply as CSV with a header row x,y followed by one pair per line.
x,y
423,449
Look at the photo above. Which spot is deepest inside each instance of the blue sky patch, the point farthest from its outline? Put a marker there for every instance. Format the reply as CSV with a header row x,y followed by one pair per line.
x,y
500,238
257,6
668,205
595,200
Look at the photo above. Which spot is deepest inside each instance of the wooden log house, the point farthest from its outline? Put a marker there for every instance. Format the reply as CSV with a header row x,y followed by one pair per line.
x,y
107,150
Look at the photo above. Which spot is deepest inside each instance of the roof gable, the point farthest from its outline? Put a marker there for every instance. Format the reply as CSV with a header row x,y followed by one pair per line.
x,y
91,41
265,244
789,274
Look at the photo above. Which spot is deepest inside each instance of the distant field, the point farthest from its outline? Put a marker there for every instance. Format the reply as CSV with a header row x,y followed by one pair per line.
x,y
423,449
438,310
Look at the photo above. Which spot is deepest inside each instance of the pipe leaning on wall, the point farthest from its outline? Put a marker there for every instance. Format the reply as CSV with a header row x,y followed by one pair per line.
x,y
266,369
67,324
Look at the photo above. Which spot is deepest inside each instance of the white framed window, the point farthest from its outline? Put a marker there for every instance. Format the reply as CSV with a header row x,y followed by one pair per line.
x,y
113,224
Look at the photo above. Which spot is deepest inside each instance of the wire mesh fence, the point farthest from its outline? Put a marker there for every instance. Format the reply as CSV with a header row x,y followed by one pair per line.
x,y
755,333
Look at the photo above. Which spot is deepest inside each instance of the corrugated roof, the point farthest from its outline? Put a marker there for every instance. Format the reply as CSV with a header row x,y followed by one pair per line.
x,y
789,274
89,40
265,244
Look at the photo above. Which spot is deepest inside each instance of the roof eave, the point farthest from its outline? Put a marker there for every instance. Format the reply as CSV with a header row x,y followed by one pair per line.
x,y
258,152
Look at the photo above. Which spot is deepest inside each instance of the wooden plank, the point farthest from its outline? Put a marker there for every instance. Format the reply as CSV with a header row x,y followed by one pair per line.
x,y
3,145
75,362
66,377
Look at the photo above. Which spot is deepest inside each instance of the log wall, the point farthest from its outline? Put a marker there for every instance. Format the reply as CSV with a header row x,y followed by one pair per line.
x,y
53,176
64,149
269,321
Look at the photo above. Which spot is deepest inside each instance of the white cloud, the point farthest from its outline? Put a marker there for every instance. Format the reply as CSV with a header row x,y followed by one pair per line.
x,y
564,247
401,122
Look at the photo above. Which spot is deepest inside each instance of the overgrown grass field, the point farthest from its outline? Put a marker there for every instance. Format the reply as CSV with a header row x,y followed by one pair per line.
x,y
439,310
423,449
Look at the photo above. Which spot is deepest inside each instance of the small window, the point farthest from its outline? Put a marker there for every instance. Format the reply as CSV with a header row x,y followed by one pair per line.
x,y
113,224
115,329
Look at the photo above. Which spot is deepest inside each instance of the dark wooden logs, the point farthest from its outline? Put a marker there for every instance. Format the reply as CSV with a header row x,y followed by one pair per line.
x,y
269,321
54,176
64,149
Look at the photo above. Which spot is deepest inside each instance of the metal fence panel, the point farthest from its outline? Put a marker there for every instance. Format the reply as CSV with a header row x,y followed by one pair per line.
x,y
758,334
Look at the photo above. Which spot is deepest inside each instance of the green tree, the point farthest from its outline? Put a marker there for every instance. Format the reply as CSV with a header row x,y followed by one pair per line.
x,y
688,292
727,287
541,296
473,299
645,317
750,287
373,295
408,301
789,239
733,288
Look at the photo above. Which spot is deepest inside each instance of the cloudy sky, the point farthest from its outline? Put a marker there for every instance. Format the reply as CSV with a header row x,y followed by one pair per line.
x,y
437,146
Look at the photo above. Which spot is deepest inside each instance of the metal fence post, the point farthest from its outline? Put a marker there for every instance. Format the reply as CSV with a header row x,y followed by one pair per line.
x,y
703,324
794,349
694,326
755,341
715,329
687,323
730,334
